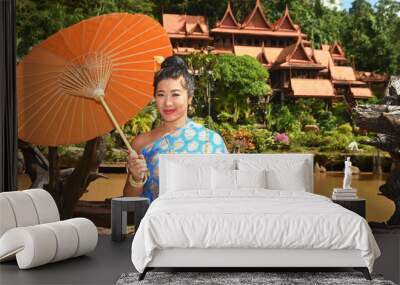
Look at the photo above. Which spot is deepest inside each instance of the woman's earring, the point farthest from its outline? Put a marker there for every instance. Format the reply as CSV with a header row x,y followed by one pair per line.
x,y
190,109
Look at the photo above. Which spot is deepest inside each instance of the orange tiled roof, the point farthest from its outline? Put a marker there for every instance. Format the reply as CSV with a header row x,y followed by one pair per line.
x,y
288,51
285,22
312,87
325,47
228,20
348,83
336,50
256,52
258,32
185,25
371,76
309,50
296,55
256,19
255,24
323,57
181,36
247,50
272,53
342,73
361,93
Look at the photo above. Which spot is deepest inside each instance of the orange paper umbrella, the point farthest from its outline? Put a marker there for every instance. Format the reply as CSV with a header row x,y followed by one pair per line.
x,y
89,78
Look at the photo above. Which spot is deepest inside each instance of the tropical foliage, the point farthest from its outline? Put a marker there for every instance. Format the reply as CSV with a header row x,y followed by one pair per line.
x,y
38,19
363,30
234,88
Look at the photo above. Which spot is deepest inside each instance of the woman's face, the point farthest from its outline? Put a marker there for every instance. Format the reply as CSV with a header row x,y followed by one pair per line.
x,y
172,99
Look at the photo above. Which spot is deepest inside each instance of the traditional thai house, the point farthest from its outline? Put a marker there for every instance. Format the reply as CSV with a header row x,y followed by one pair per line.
x,y
296,68
343,76
255,30
377,82
188,34
337,54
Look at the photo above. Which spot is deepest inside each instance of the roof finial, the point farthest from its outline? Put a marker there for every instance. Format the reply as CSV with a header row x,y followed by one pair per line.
x,y
228,13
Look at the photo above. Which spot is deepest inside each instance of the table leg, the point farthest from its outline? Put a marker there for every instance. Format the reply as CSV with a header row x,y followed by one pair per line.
x,y
116,221
140,211
124,222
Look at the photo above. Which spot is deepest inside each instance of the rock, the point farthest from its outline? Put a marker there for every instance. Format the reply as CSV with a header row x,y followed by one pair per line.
x,y
318,168
311,128
384,119
355,170
70,156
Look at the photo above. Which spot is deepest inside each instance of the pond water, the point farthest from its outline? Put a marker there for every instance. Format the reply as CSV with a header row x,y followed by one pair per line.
x,y
379,208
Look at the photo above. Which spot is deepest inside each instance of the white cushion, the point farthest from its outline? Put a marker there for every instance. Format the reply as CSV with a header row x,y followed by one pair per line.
x,y
26,208
295,180
45,206
223,179
251,178
282,162
187,177
23,208
284,174
87,235
7,218
32,246
40,244
66,237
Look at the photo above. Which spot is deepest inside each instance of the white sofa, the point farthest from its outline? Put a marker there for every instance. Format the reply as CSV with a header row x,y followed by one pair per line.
x,y
31,231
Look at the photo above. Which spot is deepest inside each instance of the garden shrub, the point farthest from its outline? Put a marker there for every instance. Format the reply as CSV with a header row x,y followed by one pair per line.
x,y
345,129
264,140
335,141
327,121
309,139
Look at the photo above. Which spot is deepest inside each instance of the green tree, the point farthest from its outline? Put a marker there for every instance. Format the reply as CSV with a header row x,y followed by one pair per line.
x,y
240,81
376,33
387,41
38,19
202,65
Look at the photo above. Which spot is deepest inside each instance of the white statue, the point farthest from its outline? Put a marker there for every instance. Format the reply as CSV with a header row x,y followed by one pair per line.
x,y
347,174
353,146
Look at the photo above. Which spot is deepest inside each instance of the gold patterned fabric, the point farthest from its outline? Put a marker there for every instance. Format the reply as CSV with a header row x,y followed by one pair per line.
x,y
191,138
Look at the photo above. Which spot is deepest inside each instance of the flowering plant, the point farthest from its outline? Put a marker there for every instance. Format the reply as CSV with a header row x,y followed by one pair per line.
x,y
282,138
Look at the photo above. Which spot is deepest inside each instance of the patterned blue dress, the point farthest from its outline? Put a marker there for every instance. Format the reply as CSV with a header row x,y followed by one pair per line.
x,y
191,138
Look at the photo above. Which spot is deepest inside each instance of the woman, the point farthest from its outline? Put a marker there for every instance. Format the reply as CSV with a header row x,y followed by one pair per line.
x,y
173,91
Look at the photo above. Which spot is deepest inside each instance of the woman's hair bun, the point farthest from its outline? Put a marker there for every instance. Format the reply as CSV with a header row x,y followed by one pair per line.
x,y
174,61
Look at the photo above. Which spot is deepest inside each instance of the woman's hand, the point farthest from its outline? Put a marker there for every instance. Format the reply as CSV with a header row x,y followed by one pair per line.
x,y
137,167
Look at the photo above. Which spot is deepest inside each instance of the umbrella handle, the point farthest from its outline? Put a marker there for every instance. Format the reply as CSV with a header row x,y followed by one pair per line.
x,y
121,133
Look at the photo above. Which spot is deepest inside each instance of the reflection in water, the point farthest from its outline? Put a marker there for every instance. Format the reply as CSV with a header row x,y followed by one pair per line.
x,y
378,209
